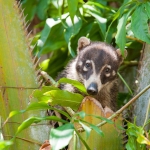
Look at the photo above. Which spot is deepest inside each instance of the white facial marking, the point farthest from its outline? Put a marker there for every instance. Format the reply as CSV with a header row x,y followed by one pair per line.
x,y
94,78
85,69
80,63
108,66
113,73
88,61
108,75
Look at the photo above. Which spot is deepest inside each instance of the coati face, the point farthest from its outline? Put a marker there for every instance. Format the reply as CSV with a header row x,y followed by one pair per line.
x,y
97,64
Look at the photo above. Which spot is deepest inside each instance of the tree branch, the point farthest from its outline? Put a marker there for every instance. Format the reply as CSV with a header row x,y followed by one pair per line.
x,y
117,113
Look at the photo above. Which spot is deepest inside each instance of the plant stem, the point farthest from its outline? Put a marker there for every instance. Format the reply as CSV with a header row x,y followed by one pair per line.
x,y
117,113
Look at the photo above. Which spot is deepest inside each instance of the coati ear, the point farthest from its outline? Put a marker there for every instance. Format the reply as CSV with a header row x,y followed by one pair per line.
x,y
82,42
121,58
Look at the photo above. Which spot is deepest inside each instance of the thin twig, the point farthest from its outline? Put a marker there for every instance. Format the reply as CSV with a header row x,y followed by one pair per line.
x,y
34,142
47,77
117,113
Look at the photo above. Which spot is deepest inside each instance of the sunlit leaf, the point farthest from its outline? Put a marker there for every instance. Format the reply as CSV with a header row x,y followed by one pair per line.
x,y
143,140
64,98
61,136
75,83
5,144
25,124
39,93
99,5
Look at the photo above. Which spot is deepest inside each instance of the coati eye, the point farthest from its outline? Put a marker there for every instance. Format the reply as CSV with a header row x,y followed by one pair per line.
x,y
107,70
87,65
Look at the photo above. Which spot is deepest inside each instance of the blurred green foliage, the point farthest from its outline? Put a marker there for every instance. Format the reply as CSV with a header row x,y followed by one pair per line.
x,y
63,22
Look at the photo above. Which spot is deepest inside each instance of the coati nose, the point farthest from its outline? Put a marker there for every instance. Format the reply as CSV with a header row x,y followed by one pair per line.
x,y
92,89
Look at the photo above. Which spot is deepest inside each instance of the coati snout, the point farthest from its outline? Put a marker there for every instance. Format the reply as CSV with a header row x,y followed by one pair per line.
x,y
96,67
92,88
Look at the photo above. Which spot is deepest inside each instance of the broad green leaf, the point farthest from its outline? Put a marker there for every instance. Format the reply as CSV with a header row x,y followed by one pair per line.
x,y
131,145
45,106
100,20
121,31
118,14
25,124
86,128
61,136
50,22
71,31
52,40
72,7
38,106
42,8
30,11
5,144
143,140
64,98
39,93
139,24
75,83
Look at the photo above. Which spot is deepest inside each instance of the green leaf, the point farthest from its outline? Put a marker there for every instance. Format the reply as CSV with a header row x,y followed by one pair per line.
x,y
83,141
86,128
51,39
121,31
100,20
118,14
38,106
15,112
101,118
147,6
39,93
5,144
75,83
72,7
81,114
61,136
25,124
95,128
42,9
143,140
71,31
30,8
139,24
64,98
50,22
99,5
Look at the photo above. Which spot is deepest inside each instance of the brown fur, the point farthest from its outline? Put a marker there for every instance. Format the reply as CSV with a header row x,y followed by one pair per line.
x,y
102,55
